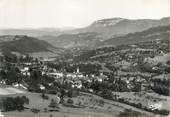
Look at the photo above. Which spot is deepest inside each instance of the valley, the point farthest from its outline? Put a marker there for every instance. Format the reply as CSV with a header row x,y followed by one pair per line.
x,y
101,70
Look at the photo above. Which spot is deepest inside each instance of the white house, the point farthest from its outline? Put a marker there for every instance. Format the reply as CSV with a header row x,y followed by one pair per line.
x,y
77,84
42,87
55,74
75,75
25,71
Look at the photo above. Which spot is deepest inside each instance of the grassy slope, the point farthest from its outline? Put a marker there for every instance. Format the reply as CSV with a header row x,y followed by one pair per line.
x,y
37,102
147,35
25,45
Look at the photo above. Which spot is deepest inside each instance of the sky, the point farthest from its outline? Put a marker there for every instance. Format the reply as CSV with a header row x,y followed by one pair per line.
x,y
76,13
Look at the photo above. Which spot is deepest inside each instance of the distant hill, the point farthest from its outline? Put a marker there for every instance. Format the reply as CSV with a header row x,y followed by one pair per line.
x,y
156,33
120,26
88,39
31,32
91,35
102,30
25,45
157,51
156,38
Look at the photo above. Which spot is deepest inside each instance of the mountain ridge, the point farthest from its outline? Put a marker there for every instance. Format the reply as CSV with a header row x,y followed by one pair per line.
x,y
99,31
116,27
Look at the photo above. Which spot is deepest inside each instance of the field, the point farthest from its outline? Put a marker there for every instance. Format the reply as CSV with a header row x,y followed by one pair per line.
x,y
8,90
145,99
37,102
92,106
162,59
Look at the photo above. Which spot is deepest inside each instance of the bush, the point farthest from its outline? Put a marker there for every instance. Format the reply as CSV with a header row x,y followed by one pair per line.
x,y
15,103
53,104
70,101
107,94
44,96
129,113
73,93
162,112
54,92
34,110
101,103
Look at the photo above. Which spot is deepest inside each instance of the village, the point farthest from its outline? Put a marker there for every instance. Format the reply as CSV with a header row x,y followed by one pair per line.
x,y
133,75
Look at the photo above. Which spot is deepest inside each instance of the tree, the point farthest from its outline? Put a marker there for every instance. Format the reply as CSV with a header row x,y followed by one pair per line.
x,y
35,80
53,104
70,101
129,113
63,93
15,103
12,75
107,94
2,74
137,87
73,93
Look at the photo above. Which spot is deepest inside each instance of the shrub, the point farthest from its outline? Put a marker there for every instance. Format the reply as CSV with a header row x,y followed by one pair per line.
x,y
70,101
15,103
73,93
34,110
101,103
54,92
44,96
129,113
53,104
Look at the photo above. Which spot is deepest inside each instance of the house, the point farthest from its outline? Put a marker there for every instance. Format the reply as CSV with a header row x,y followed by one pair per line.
x,y
47,60
16,85
3,82
100,78
56,75
28,63
25,71
42,87
75,75
77,84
